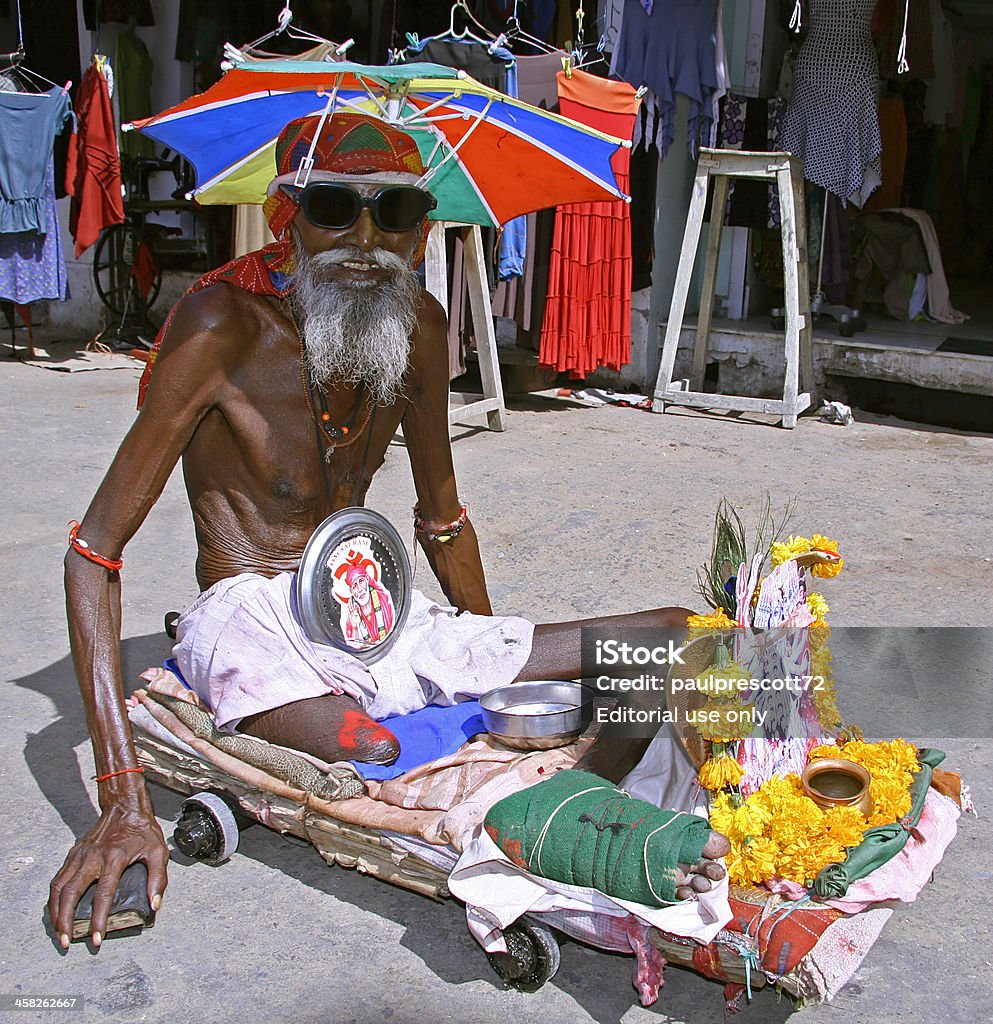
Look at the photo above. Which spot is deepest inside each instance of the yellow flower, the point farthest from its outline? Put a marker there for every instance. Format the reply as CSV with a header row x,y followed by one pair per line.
x,y
724,720
820,570
817,606
783,551
717,619
720,772
819,632
720,681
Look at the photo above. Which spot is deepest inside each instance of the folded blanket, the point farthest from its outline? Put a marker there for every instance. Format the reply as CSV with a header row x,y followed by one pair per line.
x,y
577,828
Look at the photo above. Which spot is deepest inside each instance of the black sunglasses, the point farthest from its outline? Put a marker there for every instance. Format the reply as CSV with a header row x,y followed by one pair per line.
x,y
335,205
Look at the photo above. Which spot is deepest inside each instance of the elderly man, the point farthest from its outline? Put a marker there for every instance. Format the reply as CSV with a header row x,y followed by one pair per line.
x,y
280,381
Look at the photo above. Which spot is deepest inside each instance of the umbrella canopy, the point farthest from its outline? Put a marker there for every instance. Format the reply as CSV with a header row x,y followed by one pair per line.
x,y
488,157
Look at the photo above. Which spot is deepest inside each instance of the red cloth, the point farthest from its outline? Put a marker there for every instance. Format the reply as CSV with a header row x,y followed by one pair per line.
x,y
93,170
587,321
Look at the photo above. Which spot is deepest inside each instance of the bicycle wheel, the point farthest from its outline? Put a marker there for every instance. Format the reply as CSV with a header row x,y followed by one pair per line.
x,y
113,272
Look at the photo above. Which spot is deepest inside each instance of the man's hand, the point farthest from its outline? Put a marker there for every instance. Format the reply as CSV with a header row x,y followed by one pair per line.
x,y
122,836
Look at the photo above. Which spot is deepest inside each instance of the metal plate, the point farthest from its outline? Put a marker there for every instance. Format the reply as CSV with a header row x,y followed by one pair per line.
x,y
353,586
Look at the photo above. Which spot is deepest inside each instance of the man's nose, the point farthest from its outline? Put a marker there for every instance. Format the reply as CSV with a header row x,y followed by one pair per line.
x,y
364,232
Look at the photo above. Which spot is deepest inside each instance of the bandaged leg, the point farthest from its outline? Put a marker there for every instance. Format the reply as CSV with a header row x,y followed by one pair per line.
x,y
577,828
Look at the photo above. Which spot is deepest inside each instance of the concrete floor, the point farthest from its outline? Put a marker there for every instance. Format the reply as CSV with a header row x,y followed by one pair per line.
x,y
580,511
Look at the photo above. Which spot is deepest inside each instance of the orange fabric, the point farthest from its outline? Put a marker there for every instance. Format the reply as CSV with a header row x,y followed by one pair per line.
x,y
93,168
587,321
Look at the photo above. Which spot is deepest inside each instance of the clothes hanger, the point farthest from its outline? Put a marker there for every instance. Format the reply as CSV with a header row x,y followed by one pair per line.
x,y
32,80
466,32
16,65
515,33
284,19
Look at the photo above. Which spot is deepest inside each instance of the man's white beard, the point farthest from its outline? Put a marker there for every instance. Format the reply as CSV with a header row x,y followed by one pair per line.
x,y
355,332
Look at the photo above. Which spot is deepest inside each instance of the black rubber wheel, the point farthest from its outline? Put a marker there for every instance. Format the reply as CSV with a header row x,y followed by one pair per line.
x,y
846,328
113,262
859,322
532,956
206,829
779,323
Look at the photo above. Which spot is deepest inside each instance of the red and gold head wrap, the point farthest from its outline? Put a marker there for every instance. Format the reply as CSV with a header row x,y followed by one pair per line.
x,y
349,144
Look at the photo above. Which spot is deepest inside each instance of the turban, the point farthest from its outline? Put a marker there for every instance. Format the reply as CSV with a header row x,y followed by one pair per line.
x,y
349,144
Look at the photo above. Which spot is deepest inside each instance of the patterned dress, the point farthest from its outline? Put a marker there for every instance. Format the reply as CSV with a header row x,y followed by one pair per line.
x,y
832,122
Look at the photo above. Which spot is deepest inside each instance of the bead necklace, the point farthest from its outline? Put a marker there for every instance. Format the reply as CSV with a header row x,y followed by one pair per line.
x,y
337,437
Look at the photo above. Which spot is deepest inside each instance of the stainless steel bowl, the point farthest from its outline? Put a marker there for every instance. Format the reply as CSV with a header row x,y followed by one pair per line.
x,y
537,716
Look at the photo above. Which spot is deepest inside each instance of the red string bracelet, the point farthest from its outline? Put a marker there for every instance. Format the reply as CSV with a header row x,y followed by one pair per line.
x,y
120,771
441,532
84,549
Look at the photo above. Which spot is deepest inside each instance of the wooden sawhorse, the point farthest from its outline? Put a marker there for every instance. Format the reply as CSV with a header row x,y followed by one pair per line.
x,y
724,164
491,405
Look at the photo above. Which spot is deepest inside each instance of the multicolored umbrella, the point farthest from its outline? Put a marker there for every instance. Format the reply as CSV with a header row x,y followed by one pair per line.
x,y
488,157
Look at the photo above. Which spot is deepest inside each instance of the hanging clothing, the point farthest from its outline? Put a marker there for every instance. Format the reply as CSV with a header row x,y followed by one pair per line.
x,y
753,125
134,67
587,321
32,264
672,49
93,172
832,122
29,122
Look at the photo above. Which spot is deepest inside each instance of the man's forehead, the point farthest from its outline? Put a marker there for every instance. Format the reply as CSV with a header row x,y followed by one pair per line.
x,y
366,184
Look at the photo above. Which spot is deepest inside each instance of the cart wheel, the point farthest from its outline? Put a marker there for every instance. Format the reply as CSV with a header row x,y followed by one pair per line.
x,y
858,322
532,956
778,322
846,327
207,829
113,266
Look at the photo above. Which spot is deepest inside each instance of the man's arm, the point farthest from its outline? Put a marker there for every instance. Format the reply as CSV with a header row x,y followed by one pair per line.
x,y
455,562
180,395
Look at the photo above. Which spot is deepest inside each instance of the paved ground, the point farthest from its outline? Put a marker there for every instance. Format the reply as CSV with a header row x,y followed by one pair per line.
x,y
579,511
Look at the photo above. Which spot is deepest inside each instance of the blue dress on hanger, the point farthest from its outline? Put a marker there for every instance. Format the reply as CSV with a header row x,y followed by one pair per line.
x,y
29,122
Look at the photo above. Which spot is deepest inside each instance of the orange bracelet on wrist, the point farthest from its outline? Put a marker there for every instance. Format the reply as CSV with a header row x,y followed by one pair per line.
x,y
120,771
84,549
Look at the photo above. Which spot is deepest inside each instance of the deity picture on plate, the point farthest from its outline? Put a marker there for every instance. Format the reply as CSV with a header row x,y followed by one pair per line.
x,y
367,607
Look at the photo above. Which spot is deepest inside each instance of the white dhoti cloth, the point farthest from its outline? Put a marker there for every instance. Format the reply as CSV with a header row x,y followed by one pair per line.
x,y
242,648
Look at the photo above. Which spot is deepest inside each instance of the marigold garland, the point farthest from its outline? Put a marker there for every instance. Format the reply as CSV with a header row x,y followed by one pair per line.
x,y
780,832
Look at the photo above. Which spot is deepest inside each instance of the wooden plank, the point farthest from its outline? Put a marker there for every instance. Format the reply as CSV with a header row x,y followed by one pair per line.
x,y
705,400
482,319
684,272
436,264
791,284
721,183
471,410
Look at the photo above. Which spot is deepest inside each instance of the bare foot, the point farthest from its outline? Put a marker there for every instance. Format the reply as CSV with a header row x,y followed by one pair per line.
x,y
692,879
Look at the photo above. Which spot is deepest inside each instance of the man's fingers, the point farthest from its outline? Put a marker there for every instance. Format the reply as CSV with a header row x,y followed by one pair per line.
x,y
65,892
102,900
158,879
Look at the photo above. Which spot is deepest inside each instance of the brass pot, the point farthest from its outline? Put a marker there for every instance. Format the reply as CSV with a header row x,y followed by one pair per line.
x,y
836,782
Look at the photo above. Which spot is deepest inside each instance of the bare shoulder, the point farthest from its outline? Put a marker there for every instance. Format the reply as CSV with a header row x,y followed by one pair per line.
x,y
431,337
211,334
219,316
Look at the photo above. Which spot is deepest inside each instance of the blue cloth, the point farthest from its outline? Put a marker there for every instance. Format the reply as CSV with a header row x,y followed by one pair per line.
x,y
29,122
426,735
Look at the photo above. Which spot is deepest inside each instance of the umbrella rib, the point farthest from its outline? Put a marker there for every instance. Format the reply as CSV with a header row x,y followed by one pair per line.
x,y
429,174
229,170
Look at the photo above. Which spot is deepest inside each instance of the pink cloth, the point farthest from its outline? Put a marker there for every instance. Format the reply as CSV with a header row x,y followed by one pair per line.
x,y
242,648
903,877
